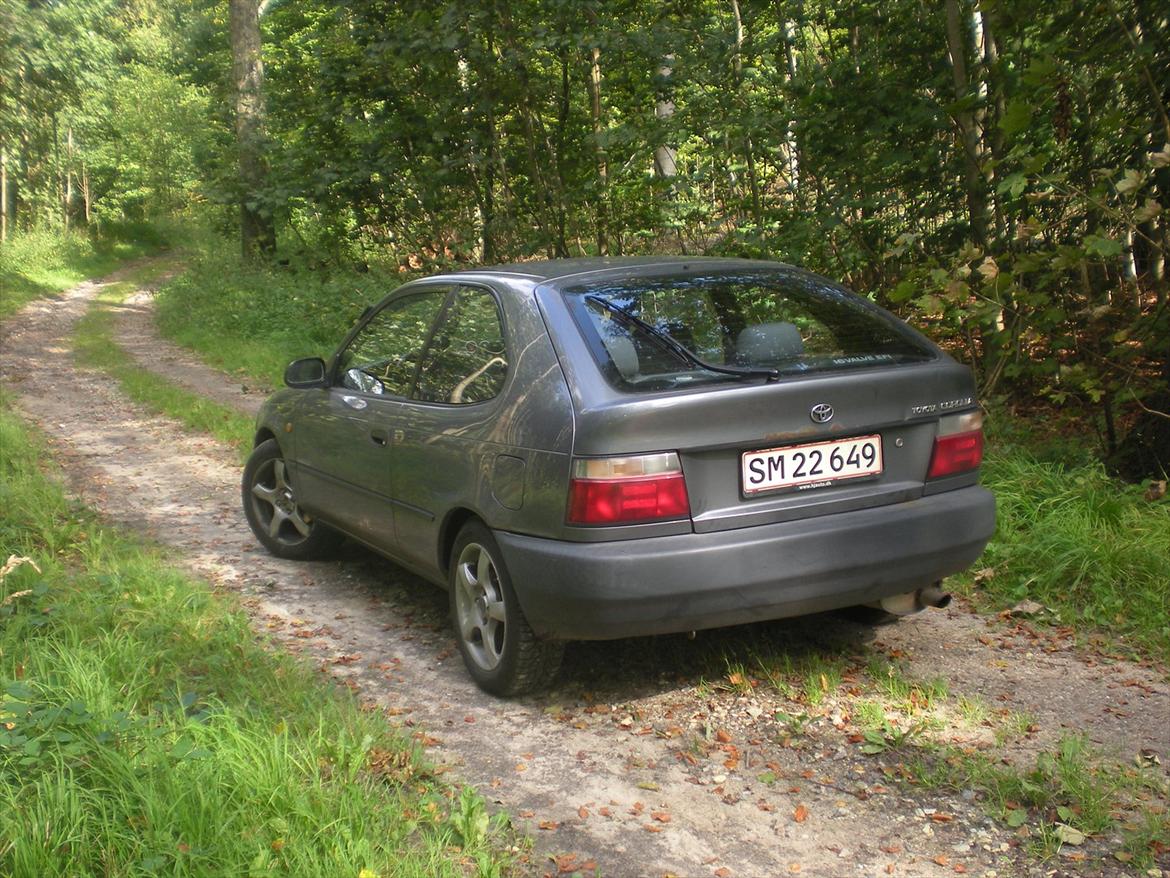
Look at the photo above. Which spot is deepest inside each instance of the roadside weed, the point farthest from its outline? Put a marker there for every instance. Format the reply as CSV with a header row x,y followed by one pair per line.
x,y
213,308
1089,548
144,729
36,264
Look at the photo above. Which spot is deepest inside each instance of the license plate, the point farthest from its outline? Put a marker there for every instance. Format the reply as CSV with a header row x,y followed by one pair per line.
x,y
811,466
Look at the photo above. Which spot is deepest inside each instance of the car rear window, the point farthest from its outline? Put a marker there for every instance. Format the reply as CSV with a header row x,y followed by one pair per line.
x,y
786,322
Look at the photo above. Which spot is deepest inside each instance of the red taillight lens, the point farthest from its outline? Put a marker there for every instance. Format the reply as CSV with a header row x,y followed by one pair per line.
x,y
625,490
956,453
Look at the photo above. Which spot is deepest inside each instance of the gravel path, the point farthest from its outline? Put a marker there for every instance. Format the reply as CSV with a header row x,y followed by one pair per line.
x,y
643,761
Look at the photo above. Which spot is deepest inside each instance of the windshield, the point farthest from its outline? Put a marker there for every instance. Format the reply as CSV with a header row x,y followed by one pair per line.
x,y
780,322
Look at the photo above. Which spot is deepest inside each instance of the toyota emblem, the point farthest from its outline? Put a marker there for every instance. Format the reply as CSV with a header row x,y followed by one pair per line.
x,y
821,413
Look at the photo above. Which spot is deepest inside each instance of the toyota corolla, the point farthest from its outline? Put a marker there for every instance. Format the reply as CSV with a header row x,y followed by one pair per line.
x,y
604,448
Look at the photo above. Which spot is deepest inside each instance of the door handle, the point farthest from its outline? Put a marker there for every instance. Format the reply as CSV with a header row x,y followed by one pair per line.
x,y
354,402
378,437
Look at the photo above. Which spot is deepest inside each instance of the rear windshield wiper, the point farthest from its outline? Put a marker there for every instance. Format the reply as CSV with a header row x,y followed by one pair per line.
x,y
678,348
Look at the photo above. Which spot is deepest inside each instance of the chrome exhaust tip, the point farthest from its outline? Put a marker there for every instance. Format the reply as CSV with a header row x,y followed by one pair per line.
x,y
911,602
933,596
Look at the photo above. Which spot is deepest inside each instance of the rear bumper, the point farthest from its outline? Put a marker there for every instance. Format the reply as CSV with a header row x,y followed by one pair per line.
x,y
601,591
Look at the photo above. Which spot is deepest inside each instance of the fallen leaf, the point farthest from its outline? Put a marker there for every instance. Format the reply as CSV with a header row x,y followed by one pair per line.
x,y
583,812
722,872
723,737
939,817
1026,608
548,824
660,816
942,860
1069,835
526,814
650,827
800,814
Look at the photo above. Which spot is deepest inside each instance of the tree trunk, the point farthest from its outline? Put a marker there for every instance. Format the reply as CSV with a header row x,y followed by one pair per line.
x,y
599,156
664,155
68,176
3,194
85,196
749,151
993,77
257,233
968,132
59,181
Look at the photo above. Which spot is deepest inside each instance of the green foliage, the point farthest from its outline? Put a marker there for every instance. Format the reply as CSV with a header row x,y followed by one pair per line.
x,y
213,308
143,728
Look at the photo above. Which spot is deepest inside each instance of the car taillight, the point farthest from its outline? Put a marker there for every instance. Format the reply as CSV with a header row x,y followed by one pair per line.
x,y
626,490
958,448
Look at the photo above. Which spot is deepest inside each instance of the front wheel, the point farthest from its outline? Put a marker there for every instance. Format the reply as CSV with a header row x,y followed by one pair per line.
x,y
501,652
270,505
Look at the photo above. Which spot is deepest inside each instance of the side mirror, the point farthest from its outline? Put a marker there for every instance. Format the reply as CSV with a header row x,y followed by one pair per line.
x,y
306,373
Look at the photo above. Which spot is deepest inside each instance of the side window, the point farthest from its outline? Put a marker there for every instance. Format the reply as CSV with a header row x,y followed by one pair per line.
x,y
465,361
383,357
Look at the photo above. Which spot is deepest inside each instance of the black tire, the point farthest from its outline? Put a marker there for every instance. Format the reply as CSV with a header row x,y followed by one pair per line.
x,y
272,512
501,652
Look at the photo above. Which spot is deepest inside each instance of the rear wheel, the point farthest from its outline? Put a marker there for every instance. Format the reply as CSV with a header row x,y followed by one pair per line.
x,y
501,652
270,505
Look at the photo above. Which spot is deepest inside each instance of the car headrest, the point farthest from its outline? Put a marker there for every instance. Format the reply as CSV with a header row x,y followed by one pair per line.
x,y
768,342
624,355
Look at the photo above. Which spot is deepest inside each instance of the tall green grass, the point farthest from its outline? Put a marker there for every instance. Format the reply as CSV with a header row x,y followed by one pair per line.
x,y
253,320
36,264
143,730
1090,548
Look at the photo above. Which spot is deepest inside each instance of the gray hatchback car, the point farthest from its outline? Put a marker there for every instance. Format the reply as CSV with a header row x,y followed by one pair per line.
x,y
602,448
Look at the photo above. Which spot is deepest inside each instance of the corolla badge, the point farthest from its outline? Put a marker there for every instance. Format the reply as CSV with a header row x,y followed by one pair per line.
x,y
821,413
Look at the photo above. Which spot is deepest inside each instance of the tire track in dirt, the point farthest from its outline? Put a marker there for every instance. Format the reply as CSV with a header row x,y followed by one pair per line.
x,y
631,763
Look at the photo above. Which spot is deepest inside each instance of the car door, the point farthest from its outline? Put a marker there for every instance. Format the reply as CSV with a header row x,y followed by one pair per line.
x,y
345,433
440,455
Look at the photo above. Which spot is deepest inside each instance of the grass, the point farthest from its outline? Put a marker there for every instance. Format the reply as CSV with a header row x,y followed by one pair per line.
x,y
37,264
1088,547
144,730
253,320
93,340
1068,790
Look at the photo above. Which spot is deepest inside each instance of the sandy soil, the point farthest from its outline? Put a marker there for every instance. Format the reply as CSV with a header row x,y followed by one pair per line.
x,y
634,763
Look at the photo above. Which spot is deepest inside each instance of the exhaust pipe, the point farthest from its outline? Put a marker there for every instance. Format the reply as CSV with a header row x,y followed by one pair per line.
x,y
915,601
933,596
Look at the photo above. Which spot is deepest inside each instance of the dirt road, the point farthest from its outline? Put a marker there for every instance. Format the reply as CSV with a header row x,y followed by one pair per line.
x,y
651,756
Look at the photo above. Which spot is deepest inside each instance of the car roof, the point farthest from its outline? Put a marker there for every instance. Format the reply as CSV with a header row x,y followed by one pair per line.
x,y
555,269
